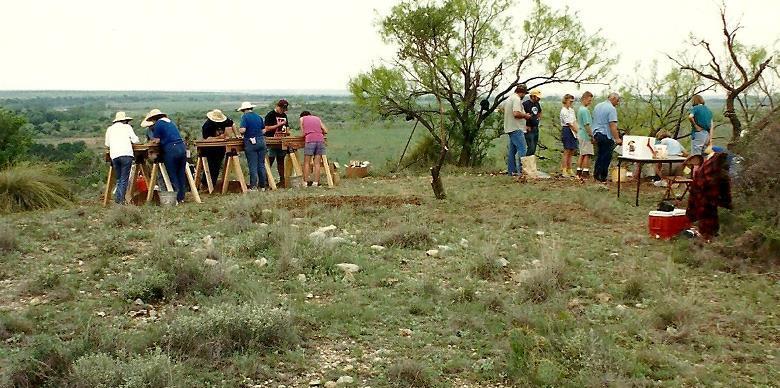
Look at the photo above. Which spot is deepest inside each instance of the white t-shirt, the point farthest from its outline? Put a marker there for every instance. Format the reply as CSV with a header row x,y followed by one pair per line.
x,y
567,116
513,104
673,147
119,140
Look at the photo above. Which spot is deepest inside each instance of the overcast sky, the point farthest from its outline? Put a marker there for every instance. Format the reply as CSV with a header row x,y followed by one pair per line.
x,y
293,44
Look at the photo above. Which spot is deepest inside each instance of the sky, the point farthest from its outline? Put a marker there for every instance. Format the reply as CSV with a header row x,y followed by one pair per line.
x,y
200,45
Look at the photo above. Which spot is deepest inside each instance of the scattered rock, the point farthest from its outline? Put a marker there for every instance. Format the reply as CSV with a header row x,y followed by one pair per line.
x,y
101,314
639,306
345,380
210,262
603,297
378,248
502,262
81,262
574,303
315,383
536,262
464,243
347,368
262,225
36,301
330,384
208,241
317,236
261,262
267,211
614,254
621,307
348,267
444,248
138,302
302,278
540,233
333,241
432,252
46,249
195,308
309,296
326,229
405,332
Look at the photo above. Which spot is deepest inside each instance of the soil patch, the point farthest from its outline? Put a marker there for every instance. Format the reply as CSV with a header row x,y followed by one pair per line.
x,y
353,200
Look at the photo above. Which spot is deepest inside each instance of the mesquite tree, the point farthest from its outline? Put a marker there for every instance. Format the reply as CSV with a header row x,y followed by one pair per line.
x,y
736,70
470,54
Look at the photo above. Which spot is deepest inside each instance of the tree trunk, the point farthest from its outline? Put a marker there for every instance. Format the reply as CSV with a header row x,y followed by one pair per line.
x,y
436,183
464,160
736,125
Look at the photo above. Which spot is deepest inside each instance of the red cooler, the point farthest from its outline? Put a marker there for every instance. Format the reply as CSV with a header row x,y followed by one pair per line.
x,y
665,225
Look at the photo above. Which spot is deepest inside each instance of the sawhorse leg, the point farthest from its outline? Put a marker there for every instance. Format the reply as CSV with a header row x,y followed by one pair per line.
x,y
326,166
268,174
109,185
191,180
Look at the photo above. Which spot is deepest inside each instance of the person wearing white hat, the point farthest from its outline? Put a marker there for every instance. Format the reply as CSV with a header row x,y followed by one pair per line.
x,y
172,148
215,127
119,140
251,127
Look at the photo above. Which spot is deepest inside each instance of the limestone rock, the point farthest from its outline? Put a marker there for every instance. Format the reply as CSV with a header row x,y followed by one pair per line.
x,y
261,262
210,262
348,267
378,248
502,262
432,252
345,380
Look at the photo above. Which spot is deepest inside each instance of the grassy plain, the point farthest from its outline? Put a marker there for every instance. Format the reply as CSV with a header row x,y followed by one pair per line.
x,y
125,297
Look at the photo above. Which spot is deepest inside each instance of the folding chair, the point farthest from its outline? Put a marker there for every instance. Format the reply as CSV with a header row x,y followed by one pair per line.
x,y
692,162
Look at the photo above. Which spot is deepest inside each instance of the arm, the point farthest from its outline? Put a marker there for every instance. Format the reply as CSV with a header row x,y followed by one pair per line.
x,y
107,139
615,134
133,136
324,128
589,131
693,121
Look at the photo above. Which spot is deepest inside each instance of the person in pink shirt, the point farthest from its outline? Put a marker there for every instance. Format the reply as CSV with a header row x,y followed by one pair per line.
x,y
314,131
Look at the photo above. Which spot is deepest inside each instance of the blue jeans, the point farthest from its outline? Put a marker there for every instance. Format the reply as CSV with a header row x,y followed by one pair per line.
x,y
531,140
121,166
603,156
516,149
175,158
255,158
698,142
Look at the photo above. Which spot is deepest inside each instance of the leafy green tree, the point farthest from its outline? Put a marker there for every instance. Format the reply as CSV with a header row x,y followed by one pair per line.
x,y
470,55
14,140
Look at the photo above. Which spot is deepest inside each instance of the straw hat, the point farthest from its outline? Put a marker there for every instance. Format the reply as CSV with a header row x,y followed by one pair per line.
x,y
216,116
537,93
146,124
121,116
245,105
154,113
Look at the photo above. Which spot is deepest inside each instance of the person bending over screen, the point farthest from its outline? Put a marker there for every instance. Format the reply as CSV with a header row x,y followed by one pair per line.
x,y
214,128
119,140
314,131
173,150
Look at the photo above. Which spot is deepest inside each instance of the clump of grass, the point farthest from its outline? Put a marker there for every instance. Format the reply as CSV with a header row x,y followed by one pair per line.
x,y
407,238
464,294
409,373
44,281
8,239
495,303
221,331
11,324
149,285
43,363
30,186
633,289
544,281
122,216
676,318
487,268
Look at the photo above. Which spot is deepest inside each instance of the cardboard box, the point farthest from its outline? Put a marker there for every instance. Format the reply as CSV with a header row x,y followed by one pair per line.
x,y
637,147
356,172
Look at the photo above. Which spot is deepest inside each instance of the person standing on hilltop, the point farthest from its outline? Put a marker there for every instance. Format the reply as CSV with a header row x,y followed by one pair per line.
x,y
120,138
533,108
314,132
701,125
251,127
276,124
172,148
514,125
585,136
605,132
215,127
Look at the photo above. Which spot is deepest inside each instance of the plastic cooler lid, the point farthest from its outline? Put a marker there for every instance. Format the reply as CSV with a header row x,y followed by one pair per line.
x,y
674,213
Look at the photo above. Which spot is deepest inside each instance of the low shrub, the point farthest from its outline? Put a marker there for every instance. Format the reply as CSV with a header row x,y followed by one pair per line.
x,y
221,331
122,216
11,324
29,187
149,285
544,281
44,281
409,373
8,239
633,289
43,363
407,238
155,370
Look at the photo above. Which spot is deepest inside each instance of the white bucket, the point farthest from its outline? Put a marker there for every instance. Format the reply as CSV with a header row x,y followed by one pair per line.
x,y
167,198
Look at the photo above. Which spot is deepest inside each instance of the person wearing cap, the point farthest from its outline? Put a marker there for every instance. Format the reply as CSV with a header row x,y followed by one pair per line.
x,y
701,124
251,127
514,125
605,133
119,140
215,127
172,148
533,108
584,136
276,125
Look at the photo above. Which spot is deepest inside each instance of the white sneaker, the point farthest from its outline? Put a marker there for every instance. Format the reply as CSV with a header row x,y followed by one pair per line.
x,y
315,184
661,183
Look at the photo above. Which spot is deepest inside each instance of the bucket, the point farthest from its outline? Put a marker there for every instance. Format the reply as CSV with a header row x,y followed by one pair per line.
x,y
623,176
294,181
167,198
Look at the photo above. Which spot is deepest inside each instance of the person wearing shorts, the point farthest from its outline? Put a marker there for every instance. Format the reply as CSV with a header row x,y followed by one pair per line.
x,y
585,136
314,132
568,130
701,125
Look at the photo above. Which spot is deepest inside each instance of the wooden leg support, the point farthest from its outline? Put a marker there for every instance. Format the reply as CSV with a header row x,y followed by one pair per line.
x,y
207,172
151,183
164,172
239,173
193,187
109,185
269,176
326,166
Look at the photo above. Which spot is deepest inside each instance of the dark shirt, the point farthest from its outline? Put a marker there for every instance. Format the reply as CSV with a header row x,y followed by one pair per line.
x,y
534,109
253,123
212,128
274,118
166,131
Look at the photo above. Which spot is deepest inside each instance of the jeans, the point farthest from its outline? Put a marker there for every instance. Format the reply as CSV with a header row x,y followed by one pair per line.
x,y
516,148
214,158
698,142
532,139
175,159
603,156
255,158
121,166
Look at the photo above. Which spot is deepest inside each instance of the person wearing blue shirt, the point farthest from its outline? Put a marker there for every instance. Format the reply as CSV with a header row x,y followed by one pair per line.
x,y
605,133
172,148
252,127
701,125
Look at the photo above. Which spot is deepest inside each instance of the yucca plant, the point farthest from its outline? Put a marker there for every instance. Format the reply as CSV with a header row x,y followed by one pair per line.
x,y
27,186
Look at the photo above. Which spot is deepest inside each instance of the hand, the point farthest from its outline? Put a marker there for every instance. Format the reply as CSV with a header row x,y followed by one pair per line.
x,y
618,141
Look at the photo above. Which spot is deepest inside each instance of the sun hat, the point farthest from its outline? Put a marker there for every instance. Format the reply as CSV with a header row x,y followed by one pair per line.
x,y
536,92
216,116
154,113
121,116
146,124
245,105
521,88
